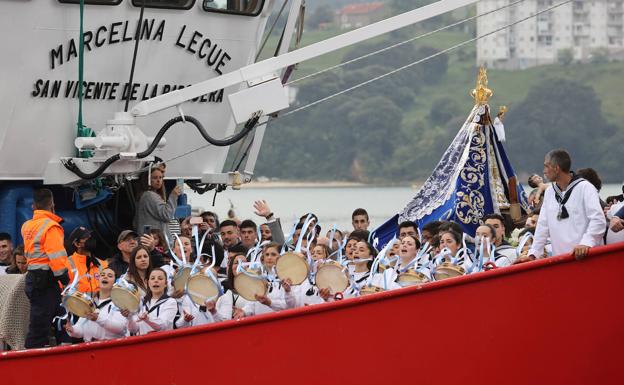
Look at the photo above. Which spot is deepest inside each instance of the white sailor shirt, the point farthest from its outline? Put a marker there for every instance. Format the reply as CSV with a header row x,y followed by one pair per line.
x,y
390,280
304,294
226,304
275,294
109,325
160,316
585,225
359,278
201,317
506,255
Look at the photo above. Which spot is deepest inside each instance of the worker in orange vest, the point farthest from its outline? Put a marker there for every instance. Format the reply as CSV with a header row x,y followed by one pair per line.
x,y
47,266
82,246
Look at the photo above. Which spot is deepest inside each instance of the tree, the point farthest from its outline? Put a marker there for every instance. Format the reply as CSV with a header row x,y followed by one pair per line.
x,y
433,69
377,122
443,110
600,55
558,113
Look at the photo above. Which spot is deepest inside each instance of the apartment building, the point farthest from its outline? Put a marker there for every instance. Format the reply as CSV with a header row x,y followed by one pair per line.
x,y
586,28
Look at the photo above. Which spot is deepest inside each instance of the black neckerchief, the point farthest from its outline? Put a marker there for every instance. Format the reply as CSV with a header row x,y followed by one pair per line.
x,y
156,306
364,277
103,303
562,198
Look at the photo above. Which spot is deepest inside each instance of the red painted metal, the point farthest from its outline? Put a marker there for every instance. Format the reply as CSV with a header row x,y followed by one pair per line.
x,y
552,321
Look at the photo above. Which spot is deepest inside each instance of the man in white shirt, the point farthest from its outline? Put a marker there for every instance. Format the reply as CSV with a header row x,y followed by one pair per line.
x,y
571,214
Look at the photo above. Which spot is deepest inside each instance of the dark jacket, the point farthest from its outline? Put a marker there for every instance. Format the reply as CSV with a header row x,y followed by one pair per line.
x,y
118,265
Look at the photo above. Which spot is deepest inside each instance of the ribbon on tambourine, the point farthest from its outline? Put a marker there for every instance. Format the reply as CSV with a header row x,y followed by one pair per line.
x,y
65,294
289,238
291,234
332,235
174,256
417,260
439,259
461,255
197,266
384,259
244,266
254,254
525,238
129,286
484,252
210,274
375,266
304,231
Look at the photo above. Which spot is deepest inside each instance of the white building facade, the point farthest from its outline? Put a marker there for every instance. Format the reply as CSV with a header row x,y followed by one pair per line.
x,y
586,28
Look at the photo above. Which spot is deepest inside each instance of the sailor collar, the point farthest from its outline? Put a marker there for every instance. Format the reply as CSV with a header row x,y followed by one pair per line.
x,y
563,196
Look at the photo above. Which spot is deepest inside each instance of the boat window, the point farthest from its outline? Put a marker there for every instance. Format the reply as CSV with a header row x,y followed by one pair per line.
x,y
169,4
240,7
96,2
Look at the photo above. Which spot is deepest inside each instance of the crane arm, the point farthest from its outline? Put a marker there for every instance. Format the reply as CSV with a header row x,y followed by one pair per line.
x,y
265,71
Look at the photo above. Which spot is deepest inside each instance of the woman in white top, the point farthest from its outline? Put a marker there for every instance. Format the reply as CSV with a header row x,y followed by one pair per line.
x,y
191,314
450,244
274,299
451,241
350,247
284,294
158,310
363,255
106,322
187,249
408,250
486,233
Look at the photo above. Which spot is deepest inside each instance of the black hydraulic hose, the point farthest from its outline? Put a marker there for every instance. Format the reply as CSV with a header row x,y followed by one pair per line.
x,y
251,123
215,142
199,187
71,166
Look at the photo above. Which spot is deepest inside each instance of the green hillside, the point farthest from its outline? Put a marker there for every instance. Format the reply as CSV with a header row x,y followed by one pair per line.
x,y
509,87
396,129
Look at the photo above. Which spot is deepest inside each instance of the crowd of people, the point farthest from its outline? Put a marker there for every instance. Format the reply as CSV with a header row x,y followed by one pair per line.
x,y
567,216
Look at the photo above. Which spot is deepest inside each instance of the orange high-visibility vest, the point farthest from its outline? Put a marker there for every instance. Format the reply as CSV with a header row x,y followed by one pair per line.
x,y
43,243
89,281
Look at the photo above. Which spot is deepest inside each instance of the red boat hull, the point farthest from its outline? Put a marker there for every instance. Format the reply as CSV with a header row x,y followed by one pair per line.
x,y
553,321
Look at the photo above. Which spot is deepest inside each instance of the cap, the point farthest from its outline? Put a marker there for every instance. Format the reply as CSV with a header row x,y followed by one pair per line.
x,y
125,234
78,233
